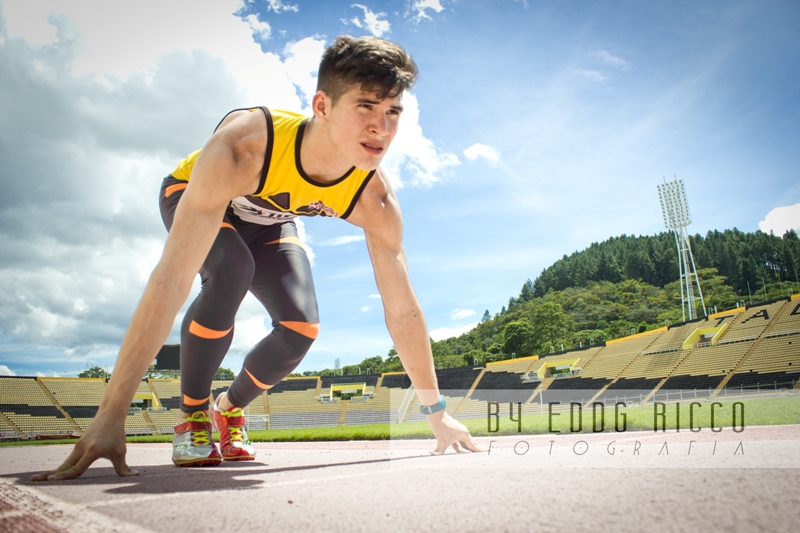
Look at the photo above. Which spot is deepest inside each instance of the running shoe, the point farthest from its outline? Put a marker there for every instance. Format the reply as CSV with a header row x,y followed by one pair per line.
x,y
233,440
192,443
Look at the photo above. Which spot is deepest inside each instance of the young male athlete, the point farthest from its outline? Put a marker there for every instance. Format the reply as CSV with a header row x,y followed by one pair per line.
x,y
229,209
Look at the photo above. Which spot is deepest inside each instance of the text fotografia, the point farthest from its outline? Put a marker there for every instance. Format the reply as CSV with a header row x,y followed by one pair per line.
x,y
596,416
581,447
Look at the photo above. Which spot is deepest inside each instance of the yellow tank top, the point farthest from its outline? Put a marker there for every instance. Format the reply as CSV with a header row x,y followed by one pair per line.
x,y
285,191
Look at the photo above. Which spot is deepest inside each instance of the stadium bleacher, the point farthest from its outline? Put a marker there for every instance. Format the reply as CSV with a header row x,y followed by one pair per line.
x,y
502,386
30,411
757,351
168,392
79,397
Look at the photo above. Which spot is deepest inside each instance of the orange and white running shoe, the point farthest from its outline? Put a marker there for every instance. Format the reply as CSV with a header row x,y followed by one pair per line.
x,y
233,440
192,443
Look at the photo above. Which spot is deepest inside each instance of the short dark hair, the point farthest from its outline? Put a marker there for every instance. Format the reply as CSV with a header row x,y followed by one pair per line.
x,y
373,64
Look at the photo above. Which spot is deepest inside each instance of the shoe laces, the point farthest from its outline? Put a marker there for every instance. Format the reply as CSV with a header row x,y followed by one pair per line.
x,y
237,432
200,437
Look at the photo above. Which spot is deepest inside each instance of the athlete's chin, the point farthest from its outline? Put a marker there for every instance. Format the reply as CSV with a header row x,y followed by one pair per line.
x,y
369,163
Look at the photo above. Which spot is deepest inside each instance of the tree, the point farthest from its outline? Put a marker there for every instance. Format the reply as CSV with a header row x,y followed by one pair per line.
x,y
550,324
474,357
527,292
224,373
372,365
439,348
486,316
518,338
93,372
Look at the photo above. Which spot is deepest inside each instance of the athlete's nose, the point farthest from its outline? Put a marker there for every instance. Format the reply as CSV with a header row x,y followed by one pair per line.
x,y
380,126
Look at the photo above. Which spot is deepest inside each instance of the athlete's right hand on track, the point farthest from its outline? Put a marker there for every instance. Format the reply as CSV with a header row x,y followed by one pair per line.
x,y
450,432
104,438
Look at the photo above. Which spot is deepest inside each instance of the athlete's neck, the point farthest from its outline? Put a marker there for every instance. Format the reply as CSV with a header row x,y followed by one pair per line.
x,y
321,160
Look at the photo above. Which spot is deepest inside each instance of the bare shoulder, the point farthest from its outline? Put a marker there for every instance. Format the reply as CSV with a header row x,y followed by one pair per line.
x,y
234,152
377,206
245,131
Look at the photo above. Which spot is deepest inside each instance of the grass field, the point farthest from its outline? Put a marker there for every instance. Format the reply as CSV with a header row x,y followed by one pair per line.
x,y
738,414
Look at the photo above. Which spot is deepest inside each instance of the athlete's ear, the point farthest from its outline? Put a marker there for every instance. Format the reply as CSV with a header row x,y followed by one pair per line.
x,y
321,106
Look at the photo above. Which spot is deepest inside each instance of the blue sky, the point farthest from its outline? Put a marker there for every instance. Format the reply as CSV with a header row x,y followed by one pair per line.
x,y
536,129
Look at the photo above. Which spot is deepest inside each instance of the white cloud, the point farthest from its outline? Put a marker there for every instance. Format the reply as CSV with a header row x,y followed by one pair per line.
x,y
99,129
612,60
144,39
43,375
279,7
446,333
365,309
458,314
302,63
592,75
261,30
378,296
411,153
305,239
481,150
5,371
372,21
249,330
345,239
418,8
781,219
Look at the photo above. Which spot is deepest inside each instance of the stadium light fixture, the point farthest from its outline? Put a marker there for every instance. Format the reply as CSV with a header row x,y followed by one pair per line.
x,y
675,210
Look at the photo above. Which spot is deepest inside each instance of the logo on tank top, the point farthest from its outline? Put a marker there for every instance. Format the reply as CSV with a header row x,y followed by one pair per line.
x,y
317,208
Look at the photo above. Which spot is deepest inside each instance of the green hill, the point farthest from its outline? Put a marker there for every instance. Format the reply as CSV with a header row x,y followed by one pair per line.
x,y
612,289
748,261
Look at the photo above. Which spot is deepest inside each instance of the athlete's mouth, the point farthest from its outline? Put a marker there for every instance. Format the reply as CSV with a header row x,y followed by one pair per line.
x,y
374,149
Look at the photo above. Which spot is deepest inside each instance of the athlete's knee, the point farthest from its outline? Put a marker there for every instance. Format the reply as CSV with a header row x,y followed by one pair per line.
x,y
229,265
296,337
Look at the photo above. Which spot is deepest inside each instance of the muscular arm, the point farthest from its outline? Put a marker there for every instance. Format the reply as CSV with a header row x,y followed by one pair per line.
x,y
229,166
197,222
378,213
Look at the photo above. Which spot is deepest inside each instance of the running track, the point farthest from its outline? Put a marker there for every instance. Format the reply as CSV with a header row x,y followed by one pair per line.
x,y
653,482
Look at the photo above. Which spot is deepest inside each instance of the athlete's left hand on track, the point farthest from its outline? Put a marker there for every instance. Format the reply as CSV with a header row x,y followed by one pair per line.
x,y
103,438
450,432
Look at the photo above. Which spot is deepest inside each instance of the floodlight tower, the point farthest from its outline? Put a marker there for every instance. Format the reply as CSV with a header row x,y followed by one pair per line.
x,y
675,209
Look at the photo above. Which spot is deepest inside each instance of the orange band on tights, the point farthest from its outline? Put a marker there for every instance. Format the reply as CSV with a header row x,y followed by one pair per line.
x,y
307,329
206,333
192,401
226,225
288,240
175,188
262,386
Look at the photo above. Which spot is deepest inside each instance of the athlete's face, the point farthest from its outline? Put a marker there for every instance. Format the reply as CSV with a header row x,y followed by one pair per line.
x,y
362,126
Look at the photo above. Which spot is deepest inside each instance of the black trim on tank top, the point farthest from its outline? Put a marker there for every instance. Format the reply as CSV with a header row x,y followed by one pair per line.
x,y
357,195
270,142
268,153
297,143
232,111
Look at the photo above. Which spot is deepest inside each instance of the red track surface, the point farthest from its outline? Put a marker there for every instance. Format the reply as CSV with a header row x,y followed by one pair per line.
x,y
705,481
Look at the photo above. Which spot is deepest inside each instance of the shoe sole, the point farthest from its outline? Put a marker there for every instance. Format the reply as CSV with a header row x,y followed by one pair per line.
x,y
201,462
236,458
